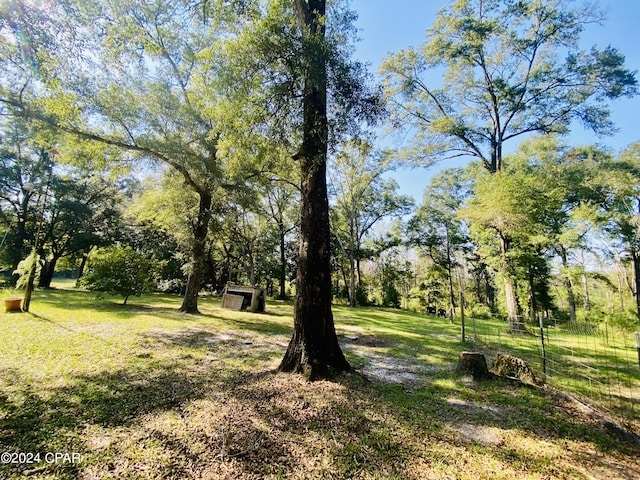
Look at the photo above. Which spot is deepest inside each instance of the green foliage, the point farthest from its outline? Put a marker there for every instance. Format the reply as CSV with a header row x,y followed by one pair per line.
x,y
626,320
481,312
362,295
503,78
25,267
121,271
390,296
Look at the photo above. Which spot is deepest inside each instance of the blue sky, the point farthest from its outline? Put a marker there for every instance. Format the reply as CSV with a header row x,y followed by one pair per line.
x,y
390,25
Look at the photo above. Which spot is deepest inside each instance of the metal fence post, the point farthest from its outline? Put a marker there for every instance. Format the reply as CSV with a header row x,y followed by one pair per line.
x,y
638,346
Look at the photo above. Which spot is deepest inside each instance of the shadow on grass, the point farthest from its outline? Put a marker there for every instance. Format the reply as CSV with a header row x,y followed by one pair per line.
x,y
52,420
203,403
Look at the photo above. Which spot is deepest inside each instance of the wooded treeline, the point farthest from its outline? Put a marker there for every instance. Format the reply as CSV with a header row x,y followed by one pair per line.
x,y
193,133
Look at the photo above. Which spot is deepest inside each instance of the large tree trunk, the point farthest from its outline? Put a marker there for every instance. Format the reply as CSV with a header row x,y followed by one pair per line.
x,y
513,312
200,232
314,349
46,276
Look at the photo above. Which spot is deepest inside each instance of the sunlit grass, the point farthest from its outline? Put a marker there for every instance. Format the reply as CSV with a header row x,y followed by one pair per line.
x,y
143,391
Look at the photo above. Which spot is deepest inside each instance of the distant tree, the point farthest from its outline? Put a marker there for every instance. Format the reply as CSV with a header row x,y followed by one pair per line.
x,y
616,189
82,213
25,166
363,197
509,217
503,78
280,206
137,76
121,271
436,229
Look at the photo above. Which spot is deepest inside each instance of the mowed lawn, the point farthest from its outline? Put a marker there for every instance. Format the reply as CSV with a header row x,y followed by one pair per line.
x,y
93,389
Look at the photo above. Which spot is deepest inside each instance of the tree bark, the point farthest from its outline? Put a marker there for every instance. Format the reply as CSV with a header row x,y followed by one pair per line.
x,y
200,232
636,279
473,363
314,349
83,264
46,276
511,299
585,288
452,300
571,299
352,265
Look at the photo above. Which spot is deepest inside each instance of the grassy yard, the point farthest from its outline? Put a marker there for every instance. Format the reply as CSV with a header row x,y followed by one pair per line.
x,y
594,361
142,391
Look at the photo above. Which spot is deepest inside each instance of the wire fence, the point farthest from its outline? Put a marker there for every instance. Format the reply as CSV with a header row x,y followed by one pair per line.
x,y
594,362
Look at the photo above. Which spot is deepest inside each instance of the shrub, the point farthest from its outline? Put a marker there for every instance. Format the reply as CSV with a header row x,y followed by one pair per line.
x,y
121,271
627,320
481,311
362,297
390,297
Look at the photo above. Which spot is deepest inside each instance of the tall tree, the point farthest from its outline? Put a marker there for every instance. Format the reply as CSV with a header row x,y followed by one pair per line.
x,y
140,76
363,197
509,217
281,200
310,93
503,78
314,349
617,190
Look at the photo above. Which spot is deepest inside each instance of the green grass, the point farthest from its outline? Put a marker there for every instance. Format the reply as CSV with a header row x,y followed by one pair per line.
x,y
142,391
596,363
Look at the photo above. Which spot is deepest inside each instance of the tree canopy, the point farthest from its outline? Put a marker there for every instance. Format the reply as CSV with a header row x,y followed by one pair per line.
x,y
508,69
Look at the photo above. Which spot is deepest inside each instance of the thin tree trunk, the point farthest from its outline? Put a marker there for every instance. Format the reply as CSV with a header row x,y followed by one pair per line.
x,y
314,349
283,262
452,300
83,264
620,288
636,279
571,299
585,289
346,282
352,267
532,296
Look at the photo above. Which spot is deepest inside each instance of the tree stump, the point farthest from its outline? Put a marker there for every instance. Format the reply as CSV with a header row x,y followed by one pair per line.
x,y
473,363
513,367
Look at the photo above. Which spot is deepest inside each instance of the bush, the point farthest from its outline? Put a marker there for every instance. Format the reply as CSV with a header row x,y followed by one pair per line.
x,y
627,320
390,297
121,271
362,297
481,311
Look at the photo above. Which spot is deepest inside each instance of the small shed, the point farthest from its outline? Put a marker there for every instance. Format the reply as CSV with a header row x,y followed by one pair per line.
x,y
240,297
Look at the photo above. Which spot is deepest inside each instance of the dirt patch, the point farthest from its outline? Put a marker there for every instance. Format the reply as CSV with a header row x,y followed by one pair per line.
x,y
480,434
377,366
